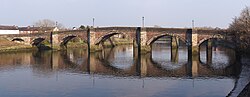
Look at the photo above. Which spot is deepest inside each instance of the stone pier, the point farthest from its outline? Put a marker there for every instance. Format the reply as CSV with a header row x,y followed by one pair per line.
x,y
142,37
195,46
209,52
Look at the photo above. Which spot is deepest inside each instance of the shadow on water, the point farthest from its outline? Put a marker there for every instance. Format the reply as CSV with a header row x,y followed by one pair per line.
x,y
43,47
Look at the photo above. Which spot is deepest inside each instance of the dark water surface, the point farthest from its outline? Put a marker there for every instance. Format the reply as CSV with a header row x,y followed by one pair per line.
x,y
118,72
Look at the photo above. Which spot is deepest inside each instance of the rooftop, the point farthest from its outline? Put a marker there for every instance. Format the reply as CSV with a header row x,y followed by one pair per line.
x,y
36,28
8,27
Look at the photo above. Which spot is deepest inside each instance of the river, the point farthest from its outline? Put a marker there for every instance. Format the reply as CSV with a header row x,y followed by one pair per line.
x,y
119,72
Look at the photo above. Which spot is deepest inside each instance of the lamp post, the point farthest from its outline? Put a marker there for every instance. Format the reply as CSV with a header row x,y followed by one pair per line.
x,y
192,24
93,22
142,21
56,23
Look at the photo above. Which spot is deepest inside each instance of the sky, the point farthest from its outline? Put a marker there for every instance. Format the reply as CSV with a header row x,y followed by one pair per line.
x,y
164,13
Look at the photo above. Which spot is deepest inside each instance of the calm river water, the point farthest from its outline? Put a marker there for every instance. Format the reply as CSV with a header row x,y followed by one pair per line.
x,y
118,72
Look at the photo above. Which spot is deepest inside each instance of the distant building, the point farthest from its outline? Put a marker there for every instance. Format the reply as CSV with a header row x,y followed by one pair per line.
x,y
26,30
9,30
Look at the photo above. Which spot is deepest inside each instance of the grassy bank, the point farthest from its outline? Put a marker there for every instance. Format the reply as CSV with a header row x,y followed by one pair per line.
x,y
10,46
17,48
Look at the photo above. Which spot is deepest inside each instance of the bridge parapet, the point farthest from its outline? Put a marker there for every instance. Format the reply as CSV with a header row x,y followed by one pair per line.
x,y
126,29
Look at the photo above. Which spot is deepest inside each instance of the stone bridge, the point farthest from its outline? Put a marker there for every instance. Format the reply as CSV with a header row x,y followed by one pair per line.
x,y
141,37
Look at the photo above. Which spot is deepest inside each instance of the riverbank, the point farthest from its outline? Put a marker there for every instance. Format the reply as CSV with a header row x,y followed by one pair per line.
x,y
245,92
246,89
241,88
9,46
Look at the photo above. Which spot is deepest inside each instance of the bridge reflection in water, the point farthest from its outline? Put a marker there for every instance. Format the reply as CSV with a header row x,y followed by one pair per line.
x,y
122,61
125,62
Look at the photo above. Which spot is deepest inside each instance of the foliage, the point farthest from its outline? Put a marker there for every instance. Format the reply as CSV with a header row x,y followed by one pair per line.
x,y
82,27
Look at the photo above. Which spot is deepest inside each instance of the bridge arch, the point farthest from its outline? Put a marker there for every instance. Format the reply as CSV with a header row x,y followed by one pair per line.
x,y
107,36
18,39
37,41
215,36
64,41
154,38
226,43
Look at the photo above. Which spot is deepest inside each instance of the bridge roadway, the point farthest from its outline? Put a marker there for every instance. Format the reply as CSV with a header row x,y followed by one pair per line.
x,y
141,37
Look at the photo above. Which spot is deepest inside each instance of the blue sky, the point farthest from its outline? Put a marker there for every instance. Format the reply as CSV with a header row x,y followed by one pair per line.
x,y
165,13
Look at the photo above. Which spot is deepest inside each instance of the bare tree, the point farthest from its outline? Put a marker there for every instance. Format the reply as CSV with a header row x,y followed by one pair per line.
x,y
157,26
241,28
242,23
48,23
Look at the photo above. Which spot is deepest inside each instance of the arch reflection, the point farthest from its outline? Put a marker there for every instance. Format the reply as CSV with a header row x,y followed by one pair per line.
x,y
120,61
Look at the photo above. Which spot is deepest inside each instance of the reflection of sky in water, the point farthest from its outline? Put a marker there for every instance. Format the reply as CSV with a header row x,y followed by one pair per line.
x,y
219,58
74,58
123,59
163,57
73,85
